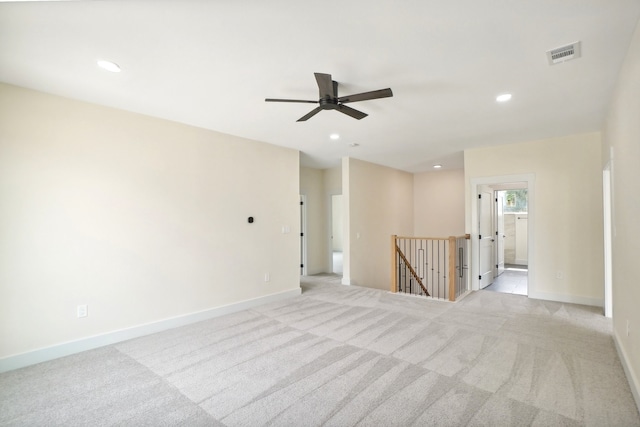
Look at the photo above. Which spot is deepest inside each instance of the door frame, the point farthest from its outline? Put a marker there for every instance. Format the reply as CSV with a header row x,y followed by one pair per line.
x,y
499,210
303,234
488,239
608,239
475,183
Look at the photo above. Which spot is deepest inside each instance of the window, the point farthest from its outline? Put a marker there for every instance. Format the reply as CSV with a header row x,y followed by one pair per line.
x,y
515,200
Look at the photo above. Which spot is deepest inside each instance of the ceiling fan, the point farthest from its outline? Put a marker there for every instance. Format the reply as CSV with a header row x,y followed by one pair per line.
x,y
329,99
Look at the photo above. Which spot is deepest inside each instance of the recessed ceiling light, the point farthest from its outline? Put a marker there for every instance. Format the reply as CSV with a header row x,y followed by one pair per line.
x,y
109,66
504,97
334,136
437,166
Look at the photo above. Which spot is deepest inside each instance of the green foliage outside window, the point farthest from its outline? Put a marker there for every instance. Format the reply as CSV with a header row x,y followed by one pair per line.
x,y
515,200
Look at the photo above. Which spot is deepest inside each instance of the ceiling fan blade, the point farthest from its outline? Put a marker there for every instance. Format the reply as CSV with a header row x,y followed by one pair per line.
x,y
375,94
325,85
309,114
290,100
351,112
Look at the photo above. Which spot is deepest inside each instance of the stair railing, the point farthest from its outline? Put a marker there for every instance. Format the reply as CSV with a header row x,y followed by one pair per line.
x,y
430,266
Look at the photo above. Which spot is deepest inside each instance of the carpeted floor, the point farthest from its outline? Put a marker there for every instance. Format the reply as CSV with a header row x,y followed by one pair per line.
x,y
341,356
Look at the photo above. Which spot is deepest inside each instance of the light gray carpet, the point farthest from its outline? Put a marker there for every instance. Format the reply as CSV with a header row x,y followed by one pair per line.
x,y
342,356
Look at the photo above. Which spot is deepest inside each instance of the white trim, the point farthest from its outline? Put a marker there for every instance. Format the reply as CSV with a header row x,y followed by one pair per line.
x,y
65,349
304,238
608,270
632,378
571,299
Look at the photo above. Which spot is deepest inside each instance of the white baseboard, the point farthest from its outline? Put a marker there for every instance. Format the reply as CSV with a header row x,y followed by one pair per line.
x,y
346,281
522,261
17,361
632,378
571,299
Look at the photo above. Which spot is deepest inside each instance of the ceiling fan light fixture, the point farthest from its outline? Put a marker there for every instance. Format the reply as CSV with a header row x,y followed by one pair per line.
x,y
329,99
109,66
504,97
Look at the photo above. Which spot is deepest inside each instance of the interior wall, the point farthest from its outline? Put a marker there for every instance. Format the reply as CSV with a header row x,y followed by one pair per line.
x,y
139,218
622,139
379,204
438,207
568,233
336,223
312,186
333,180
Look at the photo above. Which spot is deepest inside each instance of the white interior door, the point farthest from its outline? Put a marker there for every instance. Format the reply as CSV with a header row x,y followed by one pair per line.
x,y
500,232
303,237
485,236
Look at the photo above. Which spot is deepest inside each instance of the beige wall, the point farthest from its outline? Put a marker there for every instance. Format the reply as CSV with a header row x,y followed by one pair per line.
x,y
567,234
312,186
379,203
438,207
142,219
336,223
622,134
333,180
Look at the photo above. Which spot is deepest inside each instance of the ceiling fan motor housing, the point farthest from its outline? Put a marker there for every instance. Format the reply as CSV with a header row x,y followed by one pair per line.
x,y
328,103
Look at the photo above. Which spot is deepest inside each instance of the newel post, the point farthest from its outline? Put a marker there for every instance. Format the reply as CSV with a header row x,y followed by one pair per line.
x,y
394,276
452,268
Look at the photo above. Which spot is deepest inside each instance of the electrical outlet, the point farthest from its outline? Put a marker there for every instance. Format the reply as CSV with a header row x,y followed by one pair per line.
x,y
82,310
267,277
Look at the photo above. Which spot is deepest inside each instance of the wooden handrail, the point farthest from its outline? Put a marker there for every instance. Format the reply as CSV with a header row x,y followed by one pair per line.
x,y
466,236
413,272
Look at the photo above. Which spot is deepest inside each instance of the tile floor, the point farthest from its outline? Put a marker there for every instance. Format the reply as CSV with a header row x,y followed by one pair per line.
x,y
512,281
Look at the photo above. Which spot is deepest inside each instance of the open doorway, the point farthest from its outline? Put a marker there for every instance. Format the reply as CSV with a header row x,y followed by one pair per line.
x,y
503,234
336,234
511,235
503,225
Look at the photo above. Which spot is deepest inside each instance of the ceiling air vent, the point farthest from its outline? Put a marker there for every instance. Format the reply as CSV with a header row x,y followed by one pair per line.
x,y
564,53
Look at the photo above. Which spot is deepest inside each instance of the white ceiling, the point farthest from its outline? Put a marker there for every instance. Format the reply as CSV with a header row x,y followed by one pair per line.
x,y
212,63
